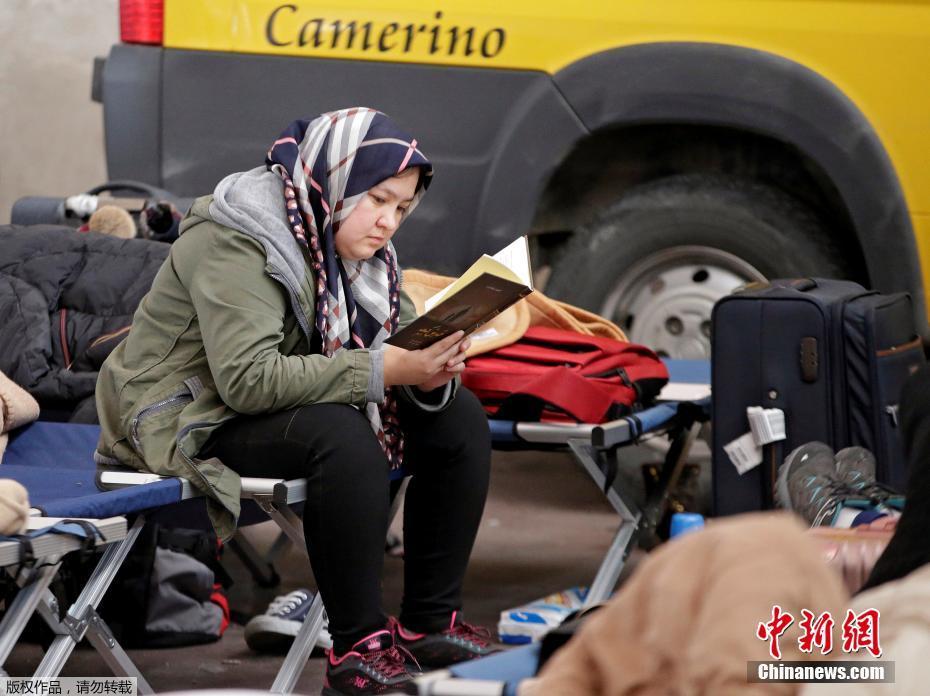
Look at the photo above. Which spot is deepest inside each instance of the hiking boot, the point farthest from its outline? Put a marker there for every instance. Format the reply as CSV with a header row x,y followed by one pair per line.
x,y
809,485
374,665
458,643
275,630
855,468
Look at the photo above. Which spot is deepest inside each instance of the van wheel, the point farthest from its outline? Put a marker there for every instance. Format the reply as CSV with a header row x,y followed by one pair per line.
x,y
657,260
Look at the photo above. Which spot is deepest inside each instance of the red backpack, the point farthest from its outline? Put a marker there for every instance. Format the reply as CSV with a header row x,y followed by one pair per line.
x,y
558,375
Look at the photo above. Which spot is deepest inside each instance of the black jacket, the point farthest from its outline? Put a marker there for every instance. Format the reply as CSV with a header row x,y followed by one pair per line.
x,y
66,300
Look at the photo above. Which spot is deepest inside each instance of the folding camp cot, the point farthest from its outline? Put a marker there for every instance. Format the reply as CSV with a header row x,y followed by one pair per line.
x,y
595,448
55,463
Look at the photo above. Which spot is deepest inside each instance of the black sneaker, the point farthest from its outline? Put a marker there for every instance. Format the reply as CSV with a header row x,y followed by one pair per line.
x,y
458,643
374,665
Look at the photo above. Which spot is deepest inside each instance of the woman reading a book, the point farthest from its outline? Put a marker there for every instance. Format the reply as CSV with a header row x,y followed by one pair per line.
x,y
260,351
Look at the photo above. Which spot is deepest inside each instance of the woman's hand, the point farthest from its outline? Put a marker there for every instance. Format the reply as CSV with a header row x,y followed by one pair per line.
x,y
453,366
427,368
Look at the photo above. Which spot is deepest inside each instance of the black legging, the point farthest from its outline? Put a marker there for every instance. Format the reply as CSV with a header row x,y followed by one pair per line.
x,y
346,514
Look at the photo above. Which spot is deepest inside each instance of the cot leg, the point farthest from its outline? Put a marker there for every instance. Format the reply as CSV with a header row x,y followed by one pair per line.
x,y
675,461
99,635
277,507
612,565
48,610
590,457
280,543
397,498
286,519
261,569
77,618
22,607
299,653
631,523
306,638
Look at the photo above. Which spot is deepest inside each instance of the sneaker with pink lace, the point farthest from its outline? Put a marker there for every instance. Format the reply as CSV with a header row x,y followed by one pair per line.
x,y
374,665
460,642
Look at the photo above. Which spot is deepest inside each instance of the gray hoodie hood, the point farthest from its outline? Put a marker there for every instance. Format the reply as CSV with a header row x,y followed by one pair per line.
x,y
253,203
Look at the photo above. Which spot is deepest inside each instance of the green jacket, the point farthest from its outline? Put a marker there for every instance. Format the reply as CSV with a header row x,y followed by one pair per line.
x,y
218,335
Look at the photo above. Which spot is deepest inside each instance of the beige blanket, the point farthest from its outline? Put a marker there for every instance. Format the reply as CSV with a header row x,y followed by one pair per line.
x,y
17,408
686,620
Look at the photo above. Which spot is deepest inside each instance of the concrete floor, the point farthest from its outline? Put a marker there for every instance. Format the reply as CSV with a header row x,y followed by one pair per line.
x,y
545,528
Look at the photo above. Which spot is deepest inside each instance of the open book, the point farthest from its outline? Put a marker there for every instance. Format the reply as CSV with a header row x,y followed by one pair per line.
x,y
486,289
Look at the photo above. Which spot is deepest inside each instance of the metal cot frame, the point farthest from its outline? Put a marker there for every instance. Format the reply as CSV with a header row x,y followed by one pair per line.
x,y
81,620
595,448
34,574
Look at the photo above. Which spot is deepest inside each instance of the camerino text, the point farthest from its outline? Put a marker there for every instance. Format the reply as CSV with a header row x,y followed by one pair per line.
x,y
286,28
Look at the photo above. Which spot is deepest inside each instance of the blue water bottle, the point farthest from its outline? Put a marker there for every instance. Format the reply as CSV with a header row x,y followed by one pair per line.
x,y
684,522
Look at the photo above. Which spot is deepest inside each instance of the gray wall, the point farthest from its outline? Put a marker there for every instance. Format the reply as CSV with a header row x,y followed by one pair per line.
x,y
51,133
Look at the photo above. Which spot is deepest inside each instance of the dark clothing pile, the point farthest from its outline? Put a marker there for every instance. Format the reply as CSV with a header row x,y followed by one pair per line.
x,y
66,300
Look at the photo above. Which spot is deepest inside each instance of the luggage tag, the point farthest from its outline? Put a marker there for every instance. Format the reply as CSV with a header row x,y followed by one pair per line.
x,y
766,425
744,453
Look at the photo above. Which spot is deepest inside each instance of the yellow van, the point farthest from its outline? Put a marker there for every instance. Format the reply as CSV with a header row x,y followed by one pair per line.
x,y
660,153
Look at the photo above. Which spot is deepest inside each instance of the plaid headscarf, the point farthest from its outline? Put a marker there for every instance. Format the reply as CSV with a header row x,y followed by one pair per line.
x,y
327,165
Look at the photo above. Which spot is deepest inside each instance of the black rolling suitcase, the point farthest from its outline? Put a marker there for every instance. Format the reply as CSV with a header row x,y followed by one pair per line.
x,y
831,355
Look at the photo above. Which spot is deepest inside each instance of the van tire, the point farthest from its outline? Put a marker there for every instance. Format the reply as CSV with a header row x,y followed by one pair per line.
x,y
657,259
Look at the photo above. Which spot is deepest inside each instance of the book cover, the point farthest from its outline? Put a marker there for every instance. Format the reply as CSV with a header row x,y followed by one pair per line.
x,y
487,288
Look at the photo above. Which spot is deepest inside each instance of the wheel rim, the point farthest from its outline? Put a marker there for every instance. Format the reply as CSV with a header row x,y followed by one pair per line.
x,y
665,300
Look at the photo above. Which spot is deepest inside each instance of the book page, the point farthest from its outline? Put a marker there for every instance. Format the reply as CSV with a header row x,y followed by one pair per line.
x,y
485,264
437,298
515,258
